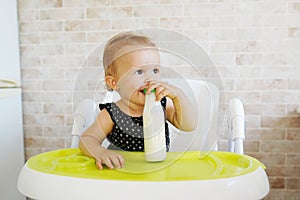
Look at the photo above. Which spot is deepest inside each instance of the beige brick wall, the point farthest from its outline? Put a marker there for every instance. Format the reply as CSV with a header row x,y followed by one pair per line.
x,y
255,45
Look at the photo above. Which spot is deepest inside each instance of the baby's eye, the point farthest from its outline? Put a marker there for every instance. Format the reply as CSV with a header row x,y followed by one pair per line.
x,y
139,72
155,71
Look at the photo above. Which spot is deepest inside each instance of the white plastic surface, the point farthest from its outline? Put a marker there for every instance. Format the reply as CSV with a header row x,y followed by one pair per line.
x,y
252,186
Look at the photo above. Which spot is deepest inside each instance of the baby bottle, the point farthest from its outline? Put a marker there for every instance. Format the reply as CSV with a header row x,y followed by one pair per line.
x,y
154,129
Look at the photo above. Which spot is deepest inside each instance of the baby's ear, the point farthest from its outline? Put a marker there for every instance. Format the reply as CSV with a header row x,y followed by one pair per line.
x,y
111,82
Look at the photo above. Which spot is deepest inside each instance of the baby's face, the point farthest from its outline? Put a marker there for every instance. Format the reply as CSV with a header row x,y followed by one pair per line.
x,y
134,69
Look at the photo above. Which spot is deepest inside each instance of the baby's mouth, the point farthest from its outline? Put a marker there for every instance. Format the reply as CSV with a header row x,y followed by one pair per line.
x,y
143,90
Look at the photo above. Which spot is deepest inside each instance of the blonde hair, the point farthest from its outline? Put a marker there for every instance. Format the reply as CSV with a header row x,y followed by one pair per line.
x,y
116,43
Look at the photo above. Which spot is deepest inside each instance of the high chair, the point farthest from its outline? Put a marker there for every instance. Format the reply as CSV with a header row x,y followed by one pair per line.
x,y
194,168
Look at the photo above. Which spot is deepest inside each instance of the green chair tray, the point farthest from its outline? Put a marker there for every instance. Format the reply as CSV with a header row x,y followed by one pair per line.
x,y
178,166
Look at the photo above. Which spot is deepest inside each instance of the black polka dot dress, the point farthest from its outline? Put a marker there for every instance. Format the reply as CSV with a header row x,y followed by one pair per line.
x,y
127,133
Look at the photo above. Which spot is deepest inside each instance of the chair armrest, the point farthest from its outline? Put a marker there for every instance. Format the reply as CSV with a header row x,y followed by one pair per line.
x,y
85,114
236,126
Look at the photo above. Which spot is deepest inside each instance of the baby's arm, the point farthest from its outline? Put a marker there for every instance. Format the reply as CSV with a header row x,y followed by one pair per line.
x,y
180,111
92,138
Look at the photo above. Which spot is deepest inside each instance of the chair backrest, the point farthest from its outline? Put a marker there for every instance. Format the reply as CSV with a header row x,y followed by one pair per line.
x,y
206,96
202,94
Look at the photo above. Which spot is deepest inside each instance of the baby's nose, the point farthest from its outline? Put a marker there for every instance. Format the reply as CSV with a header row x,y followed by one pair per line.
x,y
148,77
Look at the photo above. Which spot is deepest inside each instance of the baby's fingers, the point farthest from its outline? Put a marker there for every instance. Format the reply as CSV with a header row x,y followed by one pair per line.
x,y
106,161
99,164
160,93
151,86
111,161
117,161
121,160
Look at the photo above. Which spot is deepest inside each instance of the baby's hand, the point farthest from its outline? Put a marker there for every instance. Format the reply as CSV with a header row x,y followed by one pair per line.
x,y
162,90
109,158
